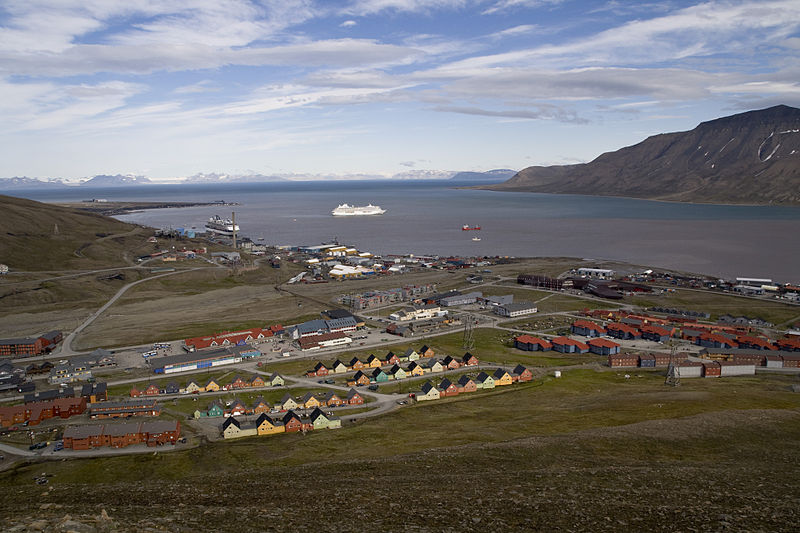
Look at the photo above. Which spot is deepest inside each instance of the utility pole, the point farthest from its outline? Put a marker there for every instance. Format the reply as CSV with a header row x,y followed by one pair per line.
x,y
673,376
469,336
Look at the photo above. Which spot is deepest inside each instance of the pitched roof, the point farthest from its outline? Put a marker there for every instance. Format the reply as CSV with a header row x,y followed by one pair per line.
x,y
529,339
605,343
566,341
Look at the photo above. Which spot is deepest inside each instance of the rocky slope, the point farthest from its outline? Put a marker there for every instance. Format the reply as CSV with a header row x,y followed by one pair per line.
x,y
751,158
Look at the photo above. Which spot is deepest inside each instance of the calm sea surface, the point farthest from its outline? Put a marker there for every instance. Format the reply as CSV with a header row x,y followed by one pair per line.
x,y
425,217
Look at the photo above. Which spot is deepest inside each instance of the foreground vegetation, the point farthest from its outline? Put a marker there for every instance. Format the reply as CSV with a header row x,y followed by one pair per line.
x,y
590,451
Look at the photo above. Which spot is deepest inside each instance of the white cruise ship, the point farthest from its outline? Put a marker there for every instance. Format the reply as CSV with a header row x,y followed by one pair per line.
x,y
346,210
221,226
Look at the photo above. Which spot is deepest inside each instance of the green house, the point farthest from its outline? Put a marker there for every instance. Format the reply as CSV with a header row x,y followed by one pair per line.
x,y
379,375
397,372
322,421
215,409
484,381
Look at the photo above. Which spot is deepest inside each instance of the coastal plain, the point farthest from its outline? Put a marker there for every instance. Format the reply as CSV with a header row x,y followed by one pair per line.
x,y
598,449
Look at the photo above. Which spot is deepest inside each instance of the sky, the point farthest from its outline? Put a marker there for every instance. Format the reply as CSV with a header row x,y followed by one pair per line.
x,y
372,88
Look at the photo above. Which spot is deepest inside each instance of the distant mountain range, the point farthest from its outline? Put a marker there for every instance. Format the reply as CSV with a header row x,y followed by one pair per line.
x,y
120,180
749,158
500,174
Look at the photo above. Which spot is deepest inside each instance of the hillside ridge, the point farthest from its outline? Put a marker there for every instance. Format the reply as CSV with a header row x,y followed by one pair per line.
x,y
748,158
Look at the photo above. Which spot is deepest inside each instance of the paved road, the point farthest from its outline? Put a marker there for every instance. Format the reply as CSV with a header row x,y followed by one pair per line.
x,y
66,345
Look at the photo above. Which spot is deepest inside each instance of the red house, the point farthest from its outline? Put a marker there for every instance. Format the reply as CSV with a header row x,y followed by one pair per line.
x,y
354,398
152,390
392,359
469,360
447,388
292,422
450,363
319,370
521,374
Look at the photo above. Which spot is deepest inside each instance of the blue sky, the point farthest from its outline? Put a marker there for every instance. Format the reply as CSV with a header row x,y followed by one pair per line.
x,y
306,88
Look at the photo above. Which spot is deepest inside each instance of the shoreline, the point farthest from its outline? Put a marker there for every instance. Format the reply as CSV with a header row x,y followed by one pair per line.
x,y
125,208
726,204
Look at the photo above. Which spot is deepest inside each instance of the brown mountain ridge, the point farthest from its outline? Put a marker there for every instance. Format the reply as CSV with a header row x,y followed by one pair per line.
x,y
748,158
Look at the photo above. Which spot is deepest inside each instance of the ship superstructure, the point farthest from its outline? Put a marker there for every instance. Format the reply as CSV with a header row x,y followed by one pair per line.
x,y
346,210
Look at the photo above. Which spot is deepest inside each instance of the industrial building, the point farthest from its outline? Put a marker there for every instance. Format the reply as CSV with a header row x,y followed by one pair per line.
x,y
202,359
516,309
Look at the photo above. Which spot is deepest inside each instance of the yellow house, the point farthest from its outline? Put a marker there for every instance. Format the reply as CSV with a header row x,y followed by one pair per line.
x,y
501,377
193,387
373,361
211,386
415,370
266,426
309,401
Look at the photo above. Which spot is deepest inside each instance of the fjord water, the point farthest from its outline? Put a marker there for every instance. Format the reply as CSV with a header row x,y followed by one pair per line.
x,y
425,217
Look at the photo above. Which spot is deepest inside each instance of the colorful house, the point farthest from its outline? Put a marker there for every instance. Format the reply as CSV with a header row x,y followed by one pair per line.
x,y
379,376
426,351
397,372
447,388
521,374
265,425
260,406
339,367
501,377
135,393
331,399
356,364
360,378
429,392
237,408
319,370
484,381
433,366
292,422
411,355
603,346
373,361
392,359
415,369
469,360
193,388
211,386
288,403
152,390
309,400
231,428
257,381
238,383
529,343
466,384
451,363
354,398
322,421
276,380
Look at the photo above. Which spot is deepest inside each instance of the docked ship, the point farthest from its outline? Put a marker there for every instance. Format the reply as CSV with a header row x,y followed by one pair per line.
x,y
346,210
467,227
222,226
